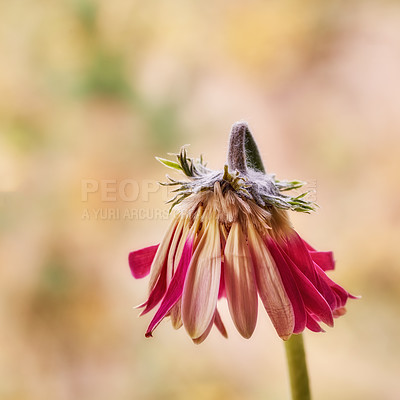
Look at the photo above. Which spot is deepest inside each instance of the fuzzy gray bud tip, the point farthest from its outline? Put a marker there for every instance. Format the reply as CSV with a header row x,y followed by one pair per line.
x,y
236,150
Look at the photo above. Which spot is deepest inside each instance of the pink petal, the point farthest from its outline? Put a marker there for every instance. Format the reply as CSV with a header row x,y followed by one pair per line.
x,y
140,261
156,294
312,298
312,324
240,285
333,293
175,288
200,292
300,316
341,295
324,259
324,289
299,254
297,251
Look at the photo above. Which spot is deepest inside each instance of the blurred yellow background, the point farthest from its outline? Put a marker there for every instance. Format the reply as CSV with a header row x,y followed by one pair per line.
x,y
93,90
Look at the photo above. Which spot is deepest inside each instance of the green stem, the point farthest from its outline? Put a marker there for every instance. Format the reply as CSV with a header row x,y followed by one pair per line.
x,y
296,359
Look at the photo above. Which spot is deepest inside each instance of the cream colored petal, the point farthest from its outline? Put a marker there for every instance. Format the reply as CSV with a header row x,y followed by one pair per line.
x,y
240,285
175,313
219,324
172,252
160,259
203,337
224,234
200,293
270,286
231,209
197,228
176,248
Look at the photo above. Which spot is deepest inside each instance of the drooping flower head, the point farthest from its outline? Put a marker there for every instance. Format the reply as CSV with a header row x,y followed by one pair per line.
x,y
231,238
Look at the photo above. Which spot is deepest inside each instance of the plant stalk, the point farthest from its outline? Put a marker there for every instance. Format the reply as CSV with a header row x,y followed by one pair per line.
x,y
298,374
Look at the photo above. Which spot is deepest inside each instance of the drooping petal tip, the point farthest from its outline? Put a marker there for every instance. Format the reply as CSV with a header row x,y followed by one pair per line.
x,y
285,337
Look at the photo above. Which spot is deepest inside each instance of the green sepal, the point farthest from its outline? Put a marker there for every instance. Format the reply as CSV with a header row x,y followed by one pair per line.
x,y
169,163
288,185
253,157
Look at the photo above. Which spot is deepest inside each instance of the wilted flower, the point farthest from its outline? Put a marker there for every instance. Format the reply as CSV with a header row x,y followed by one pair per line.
x,y
231,237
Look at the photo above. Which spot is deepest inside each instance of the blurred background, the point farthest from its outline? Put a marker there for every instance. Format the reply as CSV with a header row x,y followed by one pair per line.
x,y
92,90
